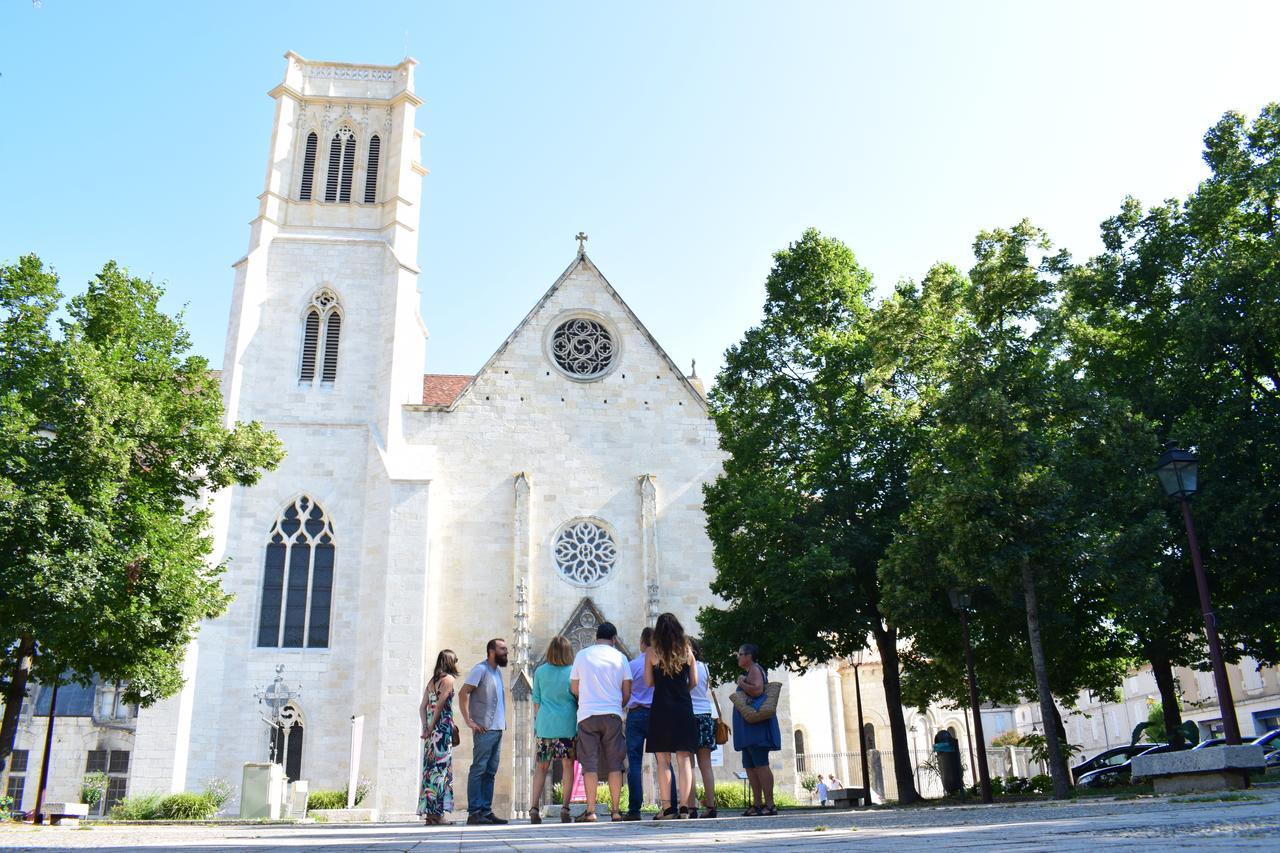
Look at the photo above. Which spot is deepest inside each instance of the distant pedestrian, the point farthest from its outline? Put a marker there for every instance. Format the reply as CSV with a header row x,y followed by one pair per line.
x,y
755,740
836,784
482,701
671,671
435,799
703,695
555,711
822,791
601,679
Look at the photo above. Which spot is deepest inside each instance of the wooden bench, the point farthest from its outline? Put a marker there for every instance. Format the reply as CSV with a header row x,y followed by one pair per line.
x,y
849,797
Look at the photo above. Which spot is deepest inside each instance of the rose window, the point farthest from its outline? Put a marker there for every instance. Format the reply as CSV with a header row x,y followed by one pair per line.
x,y
582,348
585,552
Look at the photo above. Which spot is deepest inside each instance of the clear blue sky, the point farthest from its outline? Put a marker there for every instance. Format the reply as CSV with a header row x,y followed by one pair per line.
x,y
690,140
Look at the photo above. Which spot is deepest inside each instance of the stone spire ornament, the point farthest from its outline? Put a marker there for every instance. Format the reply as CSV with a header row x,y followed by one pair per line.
x,y
581,237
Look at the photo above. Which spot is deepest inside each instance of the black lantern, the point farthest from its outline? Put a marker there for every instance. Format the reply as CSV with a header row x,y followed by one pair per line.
x,y
959,600
1177,470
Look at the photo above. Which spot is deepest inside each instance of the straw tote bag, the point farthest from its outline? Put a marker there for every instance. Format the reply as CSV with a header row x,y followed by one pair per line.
x,y
768,708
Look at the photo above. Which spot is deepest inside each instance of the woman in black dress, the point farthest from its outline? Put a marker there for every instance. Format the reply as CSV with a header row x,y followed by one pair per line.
x,y
670,670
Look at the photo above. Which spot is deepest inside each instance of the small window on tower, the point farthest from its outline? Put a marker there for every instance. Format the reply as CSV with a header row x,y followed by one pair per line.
x,y
308,167
371,174
321,332
342,157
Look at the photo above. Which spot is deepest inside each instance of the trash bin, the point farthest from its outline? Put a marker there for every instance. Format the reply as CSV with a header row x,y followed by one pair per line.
x,y
947,750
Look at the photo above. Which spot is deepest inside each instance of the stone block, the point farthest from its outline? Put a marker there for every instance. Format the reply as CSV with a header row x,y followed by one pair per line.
x,y
64,814
1213,769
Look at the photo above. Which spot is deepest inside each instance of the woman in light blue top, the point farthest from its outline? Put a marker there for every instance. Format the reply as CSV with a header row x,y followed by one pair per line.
x,y
555,711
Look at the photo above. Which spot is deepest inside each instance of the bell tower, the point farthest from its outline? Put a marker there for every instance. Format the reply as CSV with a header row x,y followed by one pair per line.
x,y
325,307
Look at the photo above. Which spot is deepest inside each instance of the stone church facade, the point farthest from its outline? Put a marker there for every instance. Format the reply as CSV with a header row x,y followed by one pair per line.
x,y
560,485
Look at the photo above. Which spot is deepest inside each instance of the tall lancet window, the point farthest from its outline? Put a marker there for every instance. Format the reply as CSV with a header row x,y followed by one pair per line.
x,y
371,173
321,331
308,167
297,581
342,163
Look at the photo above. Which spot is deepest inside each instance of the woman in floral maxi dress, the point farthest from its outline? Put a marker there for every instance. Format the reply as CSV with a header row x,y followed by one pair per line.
x,y
436,712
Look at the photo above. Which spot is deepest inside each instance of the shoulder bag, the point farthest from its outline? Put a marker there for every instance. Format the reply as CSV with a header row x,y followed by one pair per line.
x,y
722,728
768,708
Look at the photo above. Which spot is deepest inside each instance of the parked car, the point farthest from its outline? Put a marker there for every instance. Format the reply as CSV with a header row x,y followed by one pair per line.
x,y
1108,758
1211,742
1118,774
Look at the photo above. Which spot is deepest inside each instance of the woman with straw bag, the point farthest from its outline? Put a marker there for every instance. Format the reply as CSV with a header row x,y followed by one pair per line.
x,y
755,740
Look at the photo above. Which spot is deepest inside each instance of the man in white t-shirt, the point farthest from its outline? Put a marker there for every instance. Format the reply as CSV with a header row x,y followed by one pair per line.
x,y
601,679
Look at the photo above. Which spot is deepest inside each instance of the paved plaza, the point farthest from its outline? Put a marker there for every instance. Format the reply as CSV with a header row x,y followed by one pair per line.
x,y
1142,824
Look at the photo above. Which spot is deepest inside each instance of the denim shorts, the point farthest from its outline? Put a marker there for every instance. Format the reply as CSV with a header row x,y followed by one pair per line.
x,y
755,756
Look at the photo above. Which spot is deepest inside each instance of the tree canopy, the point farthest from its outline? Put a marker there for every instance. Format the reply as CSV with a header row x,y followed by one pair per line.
x,y
111,437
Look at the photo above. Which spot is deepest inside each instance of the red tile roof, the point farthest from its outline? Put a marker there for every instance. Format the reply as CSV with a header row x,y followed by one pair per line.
x,y
441,389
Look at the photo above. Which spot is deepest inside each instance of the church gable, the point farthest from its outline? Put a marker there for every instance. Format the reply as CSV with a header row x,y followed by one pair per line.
x,y
580,338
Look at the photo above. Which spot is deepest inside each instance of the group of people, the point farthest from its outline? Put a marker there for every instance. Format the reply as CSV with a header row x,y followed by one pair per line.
x,y
604,712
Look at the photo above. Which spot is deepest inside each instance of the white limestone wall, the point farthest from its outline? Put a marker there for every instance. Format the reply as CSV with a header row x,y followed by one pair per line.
x,y
73,738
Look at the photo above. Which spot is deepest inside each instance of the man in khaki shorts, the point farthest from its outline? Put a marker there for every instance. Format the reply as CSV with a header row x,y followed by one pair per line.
x,y
601,679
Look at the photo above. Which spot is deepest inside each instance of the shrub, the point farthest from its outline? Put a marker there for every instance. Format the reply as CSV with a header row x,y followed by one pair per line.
x,y
326,800
142,807
93,787
362,790
218,791
1041,783
185,806
6,806
809,782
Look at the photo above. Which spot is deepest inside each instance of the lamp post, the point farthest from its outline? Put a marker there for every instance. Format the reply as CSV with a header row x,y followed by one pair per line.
x,y
960,602
1178,471
856,660
44,760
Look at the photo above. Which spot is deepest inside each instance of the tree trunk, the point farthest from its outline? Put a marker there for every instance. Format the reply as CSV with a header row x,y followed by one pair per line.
x,y
1163,671
887,644
14,693
1048,713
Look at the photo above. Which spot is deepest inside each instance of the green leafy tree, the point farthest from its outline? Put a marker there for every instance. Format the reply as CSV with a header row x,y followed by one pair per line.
x,y
1000,505
1180,317
815,478
111,435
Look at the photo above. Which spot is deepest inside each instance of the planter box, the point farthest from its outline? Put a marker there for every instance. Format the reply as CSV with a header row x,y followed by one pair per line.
x,y
1214,769
345,815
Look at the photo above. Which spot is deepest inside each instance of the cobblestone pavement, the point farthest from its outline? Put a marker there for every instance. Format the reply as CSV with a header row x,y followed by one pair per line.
x,y
1114,825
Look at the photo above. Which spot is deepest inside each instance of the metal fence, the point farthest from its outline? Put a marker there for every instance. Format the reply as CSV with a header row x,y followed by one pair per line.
x,y
847,768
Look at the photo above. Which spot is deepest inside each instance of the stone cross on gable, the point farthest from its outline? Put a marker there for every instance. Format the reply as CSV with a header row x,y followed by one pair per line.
x,y
582,243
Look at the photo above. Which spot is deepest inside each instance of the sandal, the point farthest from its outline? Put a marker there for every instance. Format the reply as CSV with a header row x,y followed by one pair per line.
x,y
565,815
586,817
669,813
753,811
711,812
615,817
770,811
534,816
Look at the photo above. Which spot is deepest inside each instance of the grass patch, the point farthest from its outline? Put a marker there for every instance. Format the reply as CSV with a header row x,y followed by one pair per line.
x,y
1225,797
822,827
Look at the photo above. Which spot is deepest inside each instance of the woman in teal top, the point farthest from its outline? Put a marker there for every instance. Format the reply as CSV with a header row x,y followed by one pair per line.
x,y
555,724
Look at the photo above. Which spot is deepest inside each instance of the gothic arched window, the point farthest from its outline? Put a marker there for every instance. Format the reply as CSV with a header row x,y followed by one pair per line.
x,y
342,160
800,755
321,332
297,581
371,173
308,167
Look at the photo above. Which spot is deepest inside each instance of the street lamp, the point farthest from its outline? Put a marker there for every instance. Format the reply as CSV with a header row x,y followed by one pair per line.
x,y
960,602
1178,473
862,732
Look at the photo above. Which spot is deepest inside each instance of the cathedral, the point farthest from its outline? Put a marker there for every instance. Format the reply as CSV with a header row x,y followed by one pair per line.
x,y
559,486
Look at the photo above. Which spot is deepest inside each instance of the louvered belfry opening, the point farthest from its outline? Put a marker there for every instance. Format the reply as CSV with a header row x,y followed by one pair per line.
x,y
310,343
348,167
371,174
333,330
335,161
308,167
